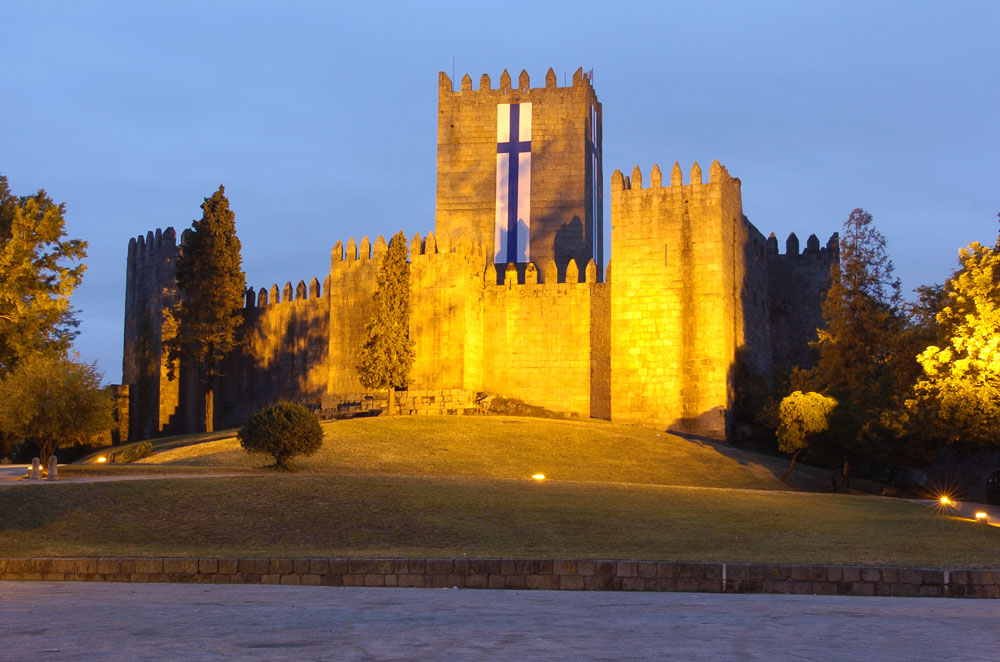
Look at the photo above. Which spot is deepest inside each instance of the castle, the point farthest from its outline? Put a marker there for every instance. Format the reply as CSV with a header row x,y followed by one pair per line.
x,y
509,293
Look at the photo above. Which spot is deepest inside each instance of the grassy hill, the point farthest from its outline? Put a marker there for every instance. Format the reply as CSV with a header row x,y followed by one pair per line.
x,y
510,447
453,486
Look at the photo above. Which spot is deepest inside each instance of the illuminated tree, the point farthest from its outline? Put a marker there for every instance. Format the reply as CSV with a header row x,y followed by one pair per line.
x,y
958,396
387,353
36,277
210,277
802,416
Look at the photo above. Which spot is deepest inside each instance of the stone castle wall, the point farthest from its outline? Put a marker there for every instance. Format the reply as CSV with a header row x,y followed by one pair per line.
x,y
797,284
539,333
281,352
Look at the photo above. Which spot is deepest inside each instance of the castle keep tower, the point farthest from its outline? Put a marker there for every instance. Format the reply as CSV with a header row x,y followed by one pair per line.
x,y
519,169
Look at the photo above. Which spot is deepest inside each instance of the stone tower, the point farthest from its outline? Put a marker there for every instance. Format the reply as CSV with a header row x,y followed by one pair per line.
x,y
150,290
519,170
688,288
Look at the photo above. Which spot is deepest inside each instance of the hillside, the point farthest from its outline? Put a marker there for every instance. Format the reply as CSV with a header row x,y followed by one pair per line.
x,y
512,447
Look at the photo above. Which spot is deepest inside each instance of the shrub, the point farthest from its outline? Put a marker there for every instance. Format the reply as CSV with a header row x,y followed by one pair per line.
x,y
134,452
283,430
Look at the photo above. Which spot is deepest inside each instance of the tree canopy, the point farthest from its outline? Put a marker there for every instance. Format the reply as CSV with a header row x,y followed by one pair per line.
x,y
802,416
55,402
859,350
212,284
39,269
387,353
958,395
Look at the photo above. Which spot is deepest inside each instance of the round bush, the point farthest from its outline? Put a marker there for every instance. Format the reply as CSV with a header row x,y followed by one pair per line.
x,y
283,430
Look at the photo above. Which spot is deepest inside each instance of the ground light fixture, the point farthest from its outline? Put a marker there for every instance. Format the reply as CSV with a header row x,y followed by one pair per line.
x,y
982,517
102,459
538,476
946,500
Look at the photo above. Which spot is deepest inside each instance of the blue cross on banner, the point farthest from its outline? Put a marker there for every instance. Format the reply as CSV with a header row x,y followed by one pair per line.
x,y
513,220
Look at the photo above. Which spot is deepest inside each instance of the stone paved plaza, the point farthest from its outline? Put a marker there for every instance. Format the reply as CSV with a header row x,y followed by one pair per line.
x,y
86,621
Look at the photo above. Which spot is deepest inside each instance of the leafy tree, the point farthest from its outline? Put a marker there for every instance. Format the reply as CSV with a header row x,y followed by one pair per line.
x,y
37,277
958,395
283,430
802,416
212,284
859,350
387,352
54,401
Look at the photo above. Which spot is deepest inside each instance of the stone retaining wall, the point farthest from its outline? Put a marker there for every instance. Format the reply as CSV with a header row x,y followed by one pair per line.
x,y
550,574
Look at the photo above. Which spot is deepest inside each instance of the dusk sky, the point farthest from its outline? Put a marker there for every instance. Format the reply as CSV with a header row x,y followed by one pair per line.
x,y
320,118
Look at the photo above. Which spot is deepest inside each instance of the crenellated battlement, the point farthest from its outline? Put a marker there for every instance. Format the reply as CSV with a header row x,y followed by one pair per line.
x,y
265,297
530,274
432,244
152,243
717,174
832,248
446,86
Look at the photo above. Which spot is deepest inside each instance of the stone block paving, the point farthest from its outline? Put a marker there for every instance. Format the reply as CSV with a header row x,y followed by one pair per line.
x,y
137,622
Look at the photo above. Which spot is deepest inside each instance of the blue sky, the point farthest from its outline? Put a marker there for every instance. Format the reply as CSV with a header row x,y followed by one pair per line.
x,y
320,118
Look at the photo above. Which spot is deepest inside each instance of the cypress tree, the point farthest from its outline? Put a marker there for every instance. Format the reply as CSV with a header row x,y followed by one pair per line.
x,y
210,277
387,353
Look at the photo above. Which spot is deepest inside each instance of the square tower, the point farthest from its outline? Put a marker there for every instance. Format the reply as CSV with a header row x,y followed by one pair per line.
x,y
688,290
519,170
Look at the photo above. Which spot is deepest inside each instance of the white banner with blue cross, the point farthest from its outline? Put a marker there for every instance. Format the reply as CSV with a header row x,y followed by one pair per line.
x,y
513,219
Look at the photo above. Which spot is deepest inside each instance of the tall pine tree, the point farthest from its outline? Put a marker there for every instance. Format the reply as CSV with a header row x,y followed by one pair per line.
x,y
859,349
387,353
210,277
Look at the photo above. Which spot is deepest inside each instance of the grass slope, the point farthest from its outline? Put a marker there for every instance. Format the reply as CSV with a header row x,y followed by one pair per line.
x,y
317,515
507,447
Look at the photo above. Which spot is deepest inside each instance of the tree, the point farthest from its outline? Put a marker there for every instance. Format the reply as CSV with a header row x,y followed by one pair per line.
x,y
37,277
958,395
283,430
387,352
212,285
859,350
802,416
54,401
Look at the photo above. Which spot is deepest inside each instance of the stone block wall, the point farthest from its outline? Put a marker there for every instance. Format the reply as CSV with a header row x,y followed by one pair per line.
x,y
797,283
281,353
540,338
564,219
446,313
353,274
520,574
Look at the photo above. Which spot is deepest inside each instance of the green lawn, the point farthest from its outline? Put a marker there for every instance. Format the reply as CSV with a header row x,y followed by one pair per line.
x,y
511,447
386,516
448,486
